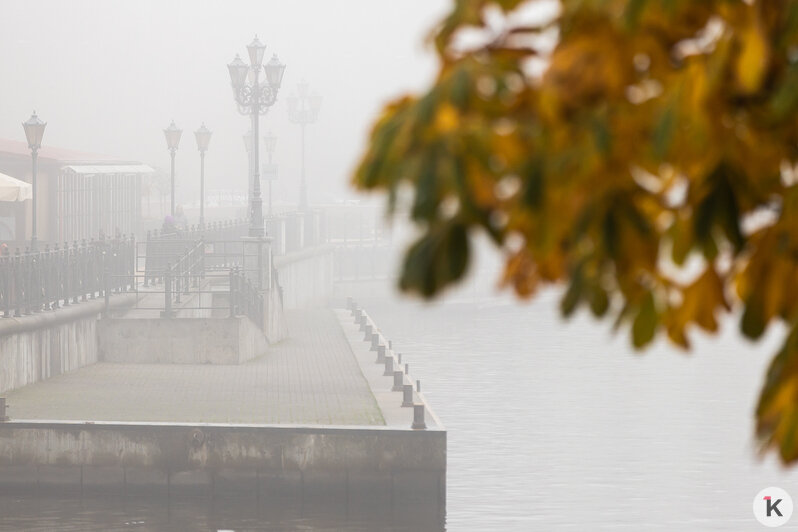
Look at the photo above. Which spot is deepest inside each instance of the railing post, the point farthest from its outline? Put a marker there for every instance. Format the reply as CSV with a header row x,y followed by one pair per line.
x,y
232,293
167,291
106,284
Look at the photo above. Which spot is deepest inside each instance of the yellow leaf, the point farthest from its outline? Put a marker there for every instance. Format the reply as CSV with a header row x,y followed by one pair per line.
x,y
752,61
446,119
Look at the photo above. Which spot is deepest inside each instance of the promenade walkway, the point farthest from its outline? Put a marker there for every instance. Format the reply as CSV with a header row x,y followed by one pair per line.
x,y
310,378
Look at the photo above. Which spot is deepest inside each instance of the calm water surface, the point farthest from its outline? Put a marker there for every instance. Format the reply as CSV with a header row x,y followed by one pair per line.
x,y
552,426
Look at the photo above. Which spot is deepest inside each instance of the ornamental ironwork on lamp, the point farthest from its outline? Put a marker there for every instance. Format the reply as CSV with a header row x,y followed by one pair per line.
x,y
254,98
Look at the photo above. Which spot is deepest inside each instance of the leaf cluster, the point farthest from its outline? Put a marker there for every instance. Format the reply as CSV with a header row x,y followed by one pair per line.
x,y
654,136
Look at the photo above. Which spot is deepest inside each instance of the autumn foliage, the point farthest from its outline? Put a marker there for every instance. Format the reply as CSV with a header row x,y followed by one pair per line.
x,y
605,147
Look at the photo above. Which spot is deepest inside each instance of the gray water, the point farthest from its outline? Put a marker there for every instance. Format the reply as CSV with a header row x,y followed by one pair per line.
x,y
551,426
561,425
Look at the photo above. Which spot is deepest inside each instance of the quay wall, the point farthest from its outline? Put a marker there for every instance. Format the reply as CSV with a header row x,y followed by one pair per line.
x,y
160,458
179,340
306,277
49,343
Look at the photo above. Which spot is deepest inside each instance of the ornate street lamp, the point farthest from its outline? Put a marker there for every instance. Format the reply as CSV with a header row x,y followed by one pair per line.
x,y
172,134
254,98
270,143
303,109
34,131
203,135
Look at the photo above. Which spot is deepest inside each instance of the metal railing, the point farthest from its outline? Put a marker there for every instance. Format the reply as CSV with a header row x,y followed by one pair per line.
x,y
221,230
245,298
60,276
183,276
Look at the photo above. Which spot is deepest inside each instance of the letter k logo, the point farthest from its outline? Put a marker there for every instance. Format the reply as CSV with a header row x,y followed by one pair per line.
x,y
772,506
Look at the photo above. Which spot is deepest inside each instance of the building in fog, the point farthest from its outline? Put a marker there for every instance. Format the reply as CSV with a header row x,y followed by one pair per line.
x,y
79,194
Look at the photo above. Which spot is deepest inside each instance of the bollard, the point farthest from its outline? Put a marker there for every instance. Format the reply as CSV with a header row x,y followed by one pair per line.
x,y
390,344
380,355
349,303
407,395
418,386
398,380
418,418
407,368
3,407
388,366
367,336
375,341
399,359
363,321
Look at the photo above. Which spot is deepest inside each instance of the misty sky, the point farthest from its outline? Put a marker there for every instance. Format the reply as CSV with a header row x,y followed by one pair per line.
x,y
107,77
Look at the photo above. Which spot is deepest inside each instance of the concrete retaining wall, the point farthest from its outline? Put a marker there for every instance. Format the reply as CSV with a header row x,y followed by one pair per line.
x,y
46,344
306,277
180,340
172,457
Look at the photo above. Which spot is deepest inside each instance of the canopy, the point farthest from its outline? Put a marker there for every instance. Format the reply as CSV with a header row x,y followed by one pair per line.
x,y
96,169
12,189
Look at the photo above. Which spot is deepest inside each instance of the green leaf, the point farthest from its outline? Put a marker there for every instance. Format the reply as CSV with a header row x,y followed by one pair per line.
x,y
645,324
601,135
436,260
461,89
599,301
609,233
425,206
534,185
573,295
663,132
753,323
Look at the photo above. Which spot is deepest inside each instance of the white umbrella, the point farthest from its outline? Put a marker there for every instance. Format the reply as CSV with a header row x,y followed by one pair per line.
x,y
12,189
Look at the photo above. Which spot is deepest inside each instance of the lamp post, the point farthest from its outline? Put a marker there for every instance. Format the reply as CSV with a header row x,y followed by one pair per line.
x,y
254,98
247,137
203,135
303,109
270,143
172,134
34,131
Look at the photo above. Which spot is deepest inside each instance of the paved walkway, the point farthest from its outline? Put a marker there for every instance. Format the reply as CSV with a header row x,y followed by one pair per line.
x,y
311,378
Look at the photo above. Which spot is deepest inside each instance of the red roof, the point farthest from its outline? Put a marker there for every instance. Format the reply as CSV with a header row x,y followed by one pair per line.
x,y
15,147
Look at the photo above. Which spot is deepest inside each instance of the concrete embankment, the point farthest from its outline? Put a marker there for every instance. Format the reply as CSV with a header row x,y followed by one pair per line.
x,y
202,458
45,344
319,413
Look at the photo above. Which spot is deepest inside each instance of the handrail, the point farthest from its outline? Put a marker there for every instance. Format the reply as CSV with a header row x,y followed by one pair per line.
x,y
187,271
60,276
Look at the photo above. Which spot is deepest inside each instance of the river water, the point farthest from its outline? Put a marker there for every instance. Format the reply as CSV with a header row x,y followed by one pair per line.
x,y
552,425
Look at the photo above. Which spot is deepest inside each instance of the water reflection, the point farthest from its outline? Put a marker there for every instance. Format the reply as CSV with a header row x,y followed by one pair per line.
x,y
202,513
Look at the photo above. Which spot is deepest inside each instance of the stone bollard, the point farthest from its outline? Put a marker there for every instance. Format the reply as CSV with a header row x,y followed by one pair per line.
x,y
367,335
418,418
3,416
388,367
375,341
418,386
398,380
407,368
390,345
380,355
363,321
407,395
399,359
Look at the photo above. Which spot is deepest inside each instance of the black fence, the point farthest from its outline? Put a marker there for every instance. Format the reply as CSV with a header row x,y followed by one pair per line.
x,y
63,275
223,230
